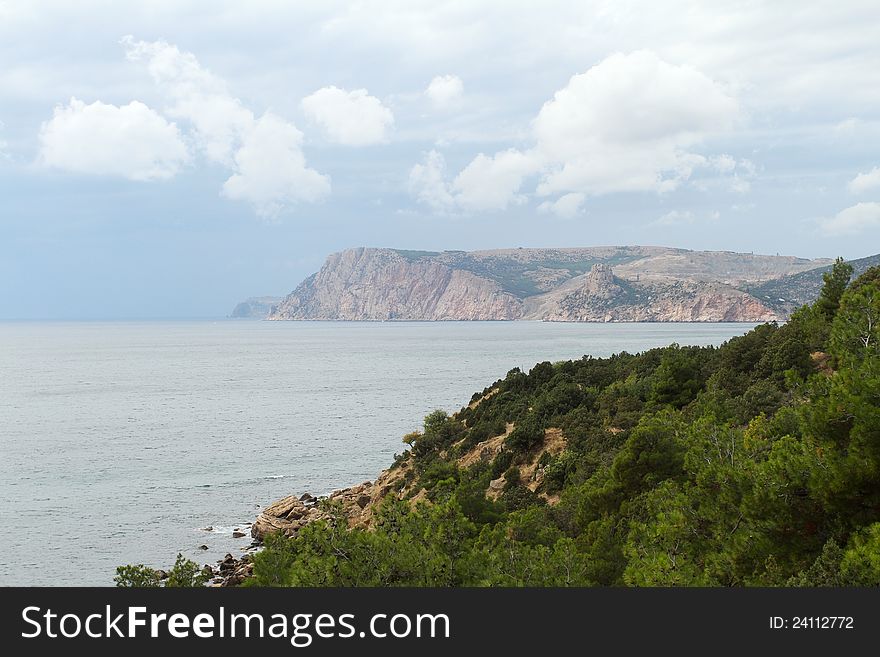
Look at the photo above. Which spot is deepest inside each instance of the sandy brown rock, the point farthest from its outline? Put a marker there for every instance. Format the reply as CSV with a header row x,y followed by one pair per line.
x,y
597,284
380,284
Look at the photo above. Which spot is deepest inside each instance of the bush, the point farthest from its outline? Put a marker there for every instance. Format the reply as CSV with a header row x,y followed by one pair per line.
x,y
501,462
185,574
527,434
137,576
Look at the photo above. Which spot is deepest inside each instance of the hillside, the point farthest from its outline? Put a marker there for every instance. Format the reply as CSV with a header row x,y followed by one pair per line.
x,y
255,307
787,293
594,284
750,464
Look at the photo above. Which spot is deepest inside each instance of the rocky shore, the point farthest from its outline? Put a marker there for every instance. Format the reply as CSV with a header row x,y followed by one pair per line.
x,y
290,514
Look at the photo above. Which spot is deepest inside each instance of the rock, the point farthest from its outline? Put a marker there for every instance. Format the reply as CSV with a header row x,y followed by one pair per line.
x,y
161,574
203,547
363,500
207,571
572,284
238,534
497,484
382,284
209,528
282,507
286,515
255,307
307,497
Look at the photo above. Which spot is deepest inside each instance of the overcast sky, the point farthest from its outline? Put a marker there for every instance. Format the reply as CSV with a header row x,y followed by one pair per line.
x,y
167,159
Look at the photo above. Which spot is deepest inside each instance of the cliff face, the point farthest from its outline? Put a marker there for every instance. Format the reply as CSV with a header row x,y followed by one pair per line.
x,y
600,284
382,284
255,307
604,298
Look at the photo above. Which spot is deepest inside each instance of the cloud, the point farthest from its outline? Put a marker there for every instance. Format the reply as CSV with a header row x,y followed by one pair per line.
x,y
685,218
265,154
352,118
852,220
445,91
631,123
865,181
427,183
195,95
132,141
725,172
271,168
487,183
492,183
566,207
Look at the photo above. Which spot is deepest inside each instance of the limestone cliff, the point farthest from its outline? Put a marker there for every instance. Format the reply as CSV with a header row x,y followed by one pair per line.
x,y
382,284
602,297
594,284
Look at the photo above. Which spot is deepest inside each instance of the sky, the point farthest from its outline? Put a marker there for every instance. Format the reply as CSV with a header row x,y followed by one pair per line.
x,y
167,159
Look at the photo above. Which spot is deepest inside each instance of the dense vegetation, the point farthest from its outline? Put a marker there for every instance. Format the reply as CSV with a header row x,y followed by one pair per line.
x,y
755,463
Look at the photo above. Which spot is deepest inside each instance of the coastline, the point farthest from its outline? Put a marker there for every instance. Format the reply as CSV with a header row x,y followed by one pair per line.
x,y
290,514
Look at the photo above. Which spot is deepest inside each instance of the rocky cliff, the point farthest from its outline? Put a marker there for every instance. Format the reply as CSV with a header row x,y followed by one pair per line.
x,y
255,307
382,284
603,297
595,284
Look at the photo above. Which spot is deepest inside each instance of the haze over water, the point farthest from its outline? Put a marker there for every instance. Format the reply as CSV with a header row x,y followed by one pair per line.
x,y
122,440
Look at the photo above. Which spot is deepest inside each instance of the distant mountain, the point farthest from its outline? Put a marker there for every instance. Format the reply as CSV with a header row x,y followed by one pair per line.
x,y
255,307
593,284
788,293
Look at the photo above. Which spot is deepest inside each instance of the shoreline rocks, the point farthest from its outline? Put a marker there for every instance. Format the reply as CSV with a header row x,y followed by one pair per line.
x,y
290,514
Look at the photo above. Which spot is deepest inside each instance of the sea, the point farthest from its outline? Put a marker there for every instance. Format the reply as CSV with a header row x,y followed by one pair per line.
x,y
131,442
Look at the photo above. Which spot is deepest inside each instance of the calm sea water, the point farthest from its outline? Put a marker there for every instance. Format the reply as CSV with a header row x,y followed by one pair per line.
x,y
121,441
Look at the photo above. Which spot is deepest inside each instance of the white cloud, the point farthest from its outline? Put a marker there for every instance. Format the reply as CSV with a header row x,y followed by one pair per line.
x,y
427,183
685,218
852,220
131,141
486,184
723,163
445,91
195,95
492,183
629,124
352,118
724,172
264,154
865,181
271,168
566,206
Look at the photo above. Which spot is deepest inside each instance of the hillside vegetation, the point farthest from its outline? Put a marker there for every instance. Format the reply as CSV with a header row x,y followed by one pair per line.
x,y
756,463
